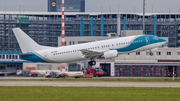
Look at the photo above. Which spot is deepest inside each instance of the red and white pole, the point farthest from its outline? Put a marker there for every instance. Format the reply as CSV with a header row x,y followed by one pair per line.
x,y
63,25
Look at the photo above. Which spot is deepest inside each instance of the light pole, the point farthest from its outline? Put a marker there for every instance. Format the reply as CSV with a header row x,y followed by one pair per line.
x,y
134,11
178,12
169,14
118,9
110,9
143,16
126,13
152,8
101,9
23,9
19,9
5,9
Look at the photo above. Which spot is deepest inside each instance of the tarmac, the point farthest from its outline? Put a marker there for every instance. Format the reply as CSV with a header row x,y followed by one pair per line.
x,y
89,83
82,83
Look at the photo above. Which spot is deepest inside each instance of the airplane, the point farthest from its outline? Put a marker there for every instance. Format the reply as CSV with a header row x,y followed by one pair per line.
x,y
104,49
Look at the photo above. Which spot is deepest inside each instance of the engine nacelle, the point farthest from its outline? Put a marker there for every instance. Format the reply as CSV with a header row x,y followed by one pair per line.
x,y
110,54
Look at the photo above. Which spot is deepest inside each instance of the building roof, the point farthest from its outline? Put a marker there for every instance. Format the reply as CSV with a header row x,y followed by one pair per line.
x,y
79,13
10,52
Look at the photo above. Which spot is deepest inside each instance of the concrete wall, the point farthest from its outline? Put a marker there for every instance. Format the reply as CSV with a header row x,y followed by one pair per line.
x,y
132,32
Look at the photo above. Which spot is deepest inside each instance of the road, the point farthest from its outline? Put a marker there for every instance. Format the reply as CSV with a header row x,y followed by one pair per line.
x,y
89,83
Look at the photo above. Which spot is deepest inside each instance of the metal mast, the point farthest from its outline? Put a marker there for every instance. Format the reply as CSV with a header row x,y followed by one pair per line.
x,y
63,25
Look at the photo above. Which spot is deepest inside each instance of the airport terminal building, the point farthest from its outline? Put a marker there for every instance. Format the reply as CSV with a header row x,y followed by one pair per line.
x,y
70,5
45,28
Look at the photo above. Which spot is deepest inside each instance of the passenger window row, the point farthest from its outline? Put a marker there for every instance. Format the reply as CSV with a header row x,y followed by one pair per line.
x,y
128,42
92,48
76,50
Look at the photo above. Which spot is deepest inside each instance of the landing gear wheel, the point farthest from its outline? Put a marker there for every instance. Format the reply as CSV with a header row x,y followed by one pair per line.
x,y
151,54
91,63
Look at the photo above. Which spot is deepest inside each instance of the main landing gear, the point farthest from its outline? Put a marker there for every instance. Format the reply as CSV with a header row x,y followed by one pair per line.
x,y
151,53
92,62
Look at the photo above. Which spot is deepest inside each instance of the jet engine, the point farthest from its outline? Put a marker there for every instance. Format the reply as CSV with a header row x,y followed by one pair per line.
x,y
110,54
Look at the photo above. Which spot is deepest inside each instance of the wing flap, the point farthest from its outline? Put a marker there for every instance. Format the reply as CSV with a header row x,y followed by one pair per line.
x,y
91,54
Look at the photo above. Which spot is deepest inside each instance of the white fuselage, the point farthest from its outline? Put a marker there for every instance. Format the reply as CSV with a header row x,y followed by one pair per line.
x,y
122,45
105,49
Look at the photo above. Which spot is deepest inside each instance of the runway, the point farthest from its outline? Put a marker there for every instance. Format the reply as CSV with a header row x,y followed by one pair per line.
x,y
89,83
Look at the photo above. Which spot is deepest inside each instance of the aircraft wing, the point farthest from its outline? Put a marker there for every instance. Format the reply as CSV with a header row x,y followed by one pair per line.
x,y
91,54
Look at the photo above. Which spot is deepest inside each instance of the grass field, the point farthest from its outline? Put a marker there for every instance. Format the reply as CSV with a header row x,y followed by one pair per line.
x,y
102,79
88,94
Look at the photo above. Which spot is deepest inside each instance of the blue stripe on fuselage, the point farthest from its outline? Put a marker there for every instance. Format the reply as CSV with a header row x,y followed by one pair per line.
x,y
33,58
146,40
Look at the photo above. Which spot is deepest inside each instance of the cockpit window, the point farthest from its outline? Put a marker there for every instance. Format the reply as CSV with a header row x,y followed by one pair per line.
x,y
155,37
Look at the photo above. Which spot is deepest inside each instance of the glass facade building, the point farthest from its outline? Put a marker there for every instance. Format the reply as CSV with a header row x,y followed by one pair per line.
x,y
70,5
45,28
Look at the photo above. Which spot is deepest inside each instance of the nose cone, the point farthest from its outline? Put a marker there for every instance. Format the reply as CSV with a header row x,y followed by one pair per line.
x,y
161,40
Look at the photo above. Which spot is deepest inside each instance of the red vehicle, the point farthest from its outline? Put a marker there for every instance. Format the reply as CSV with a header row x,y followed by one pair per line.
x,y
171,74
95,71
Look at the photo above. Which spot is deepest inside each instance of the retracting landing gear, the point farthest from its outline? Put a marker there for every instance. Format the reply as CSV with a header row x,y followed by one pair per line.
x,y
92,62
152,50
151,53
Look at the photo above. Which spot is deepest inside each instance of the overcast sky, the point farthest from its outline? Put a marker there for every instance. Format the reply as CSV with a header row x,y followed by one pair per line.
x,y
159,6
